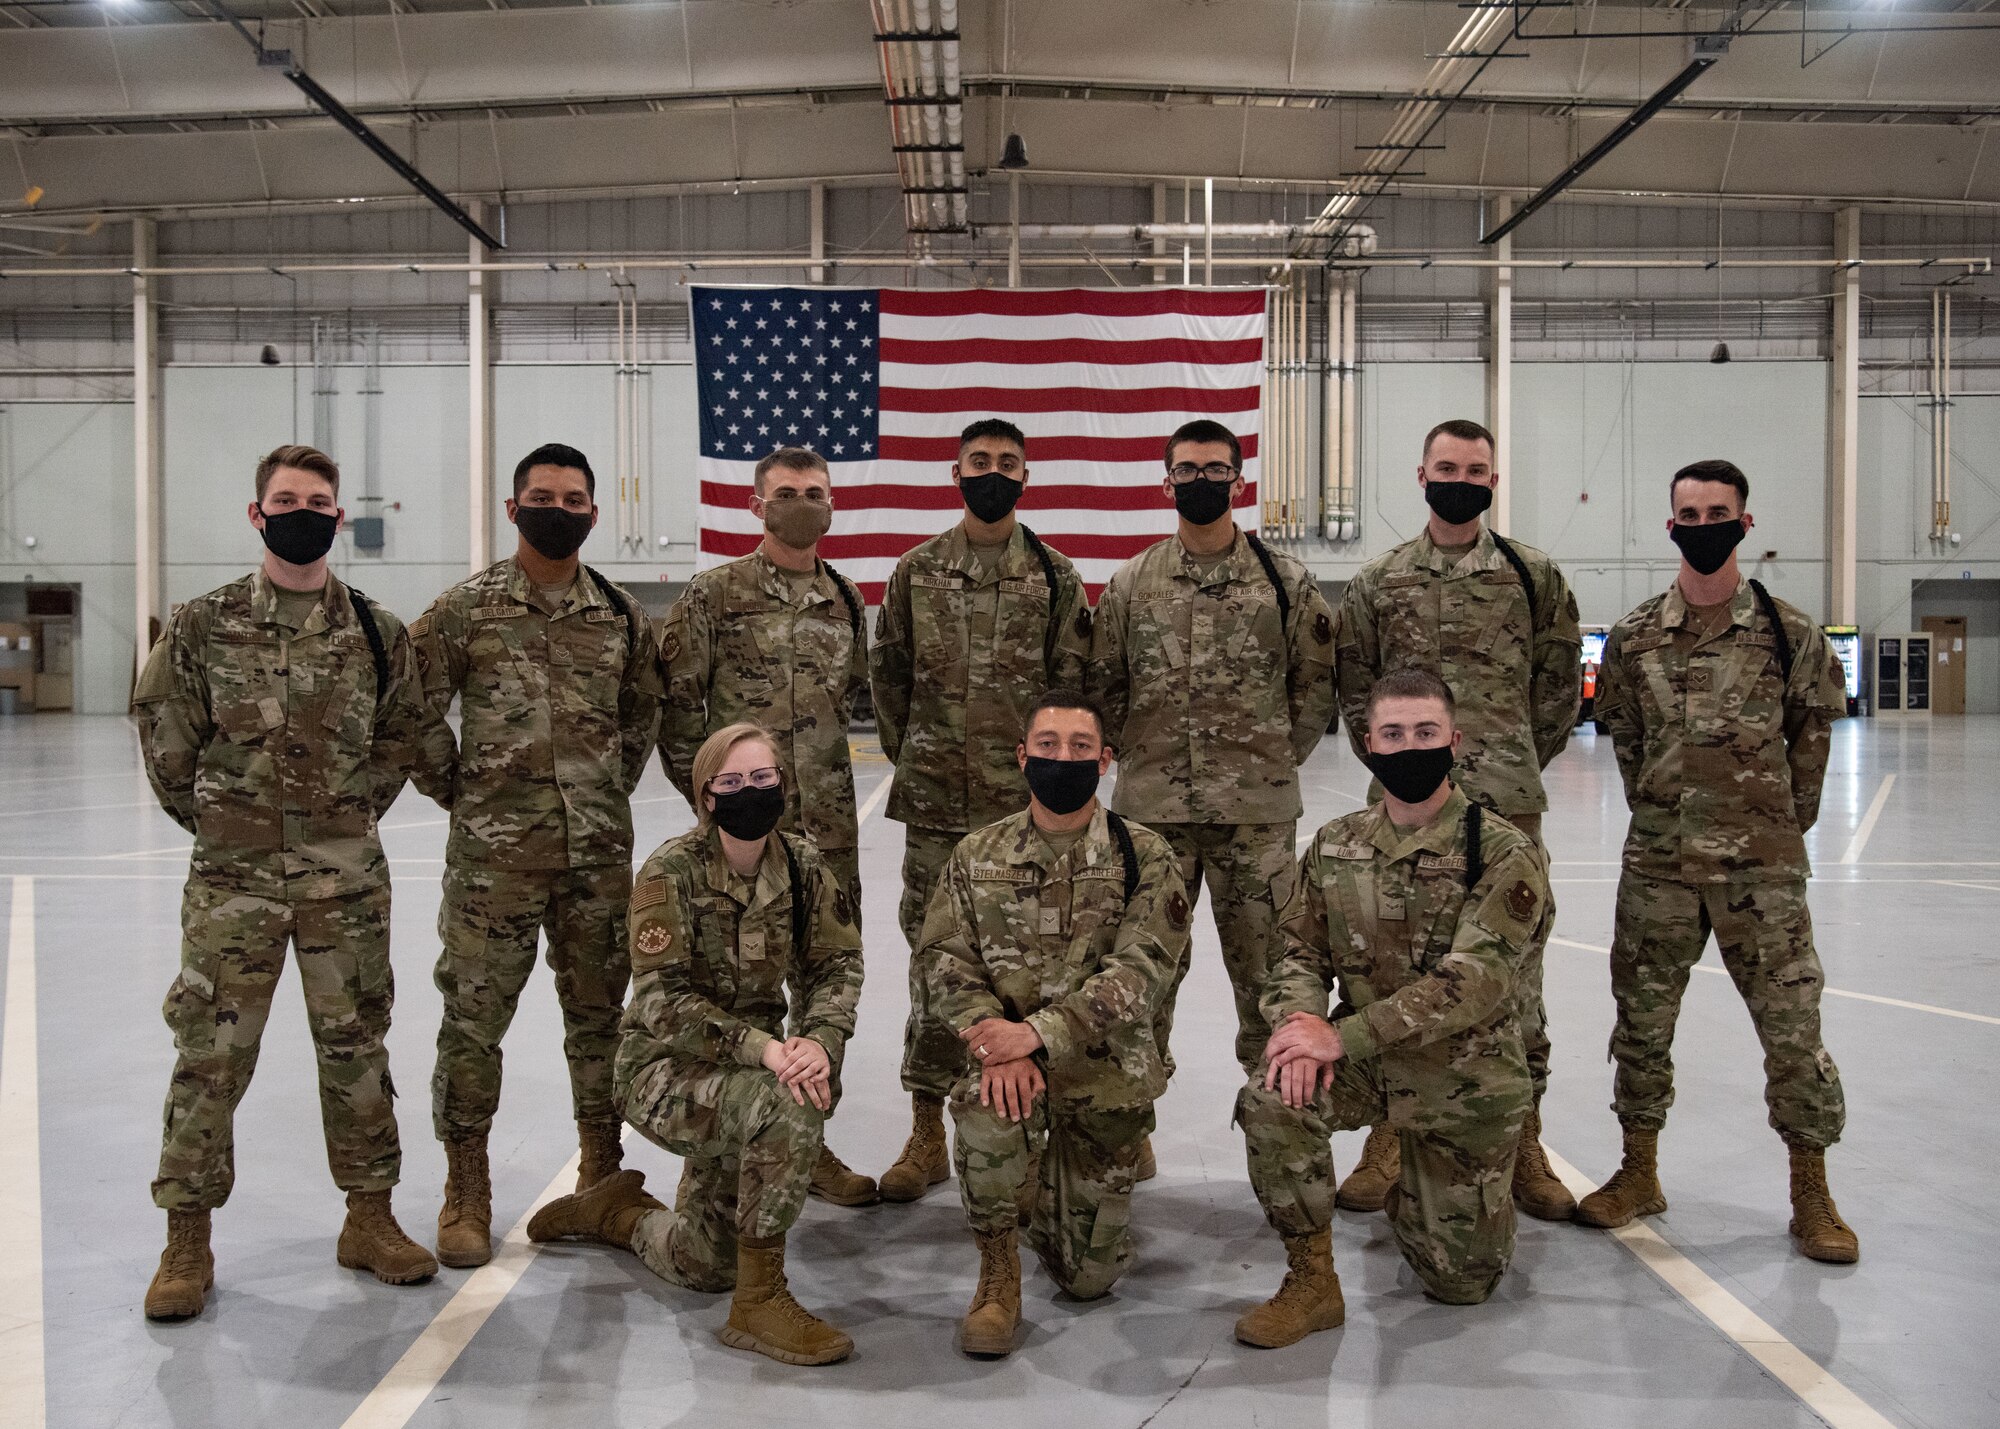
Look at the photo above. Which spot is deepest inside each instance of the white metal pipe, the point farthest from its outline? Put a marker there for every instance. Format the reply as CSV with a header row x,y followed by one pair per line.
x,y
1301,410
149,548
1944,413
1208,234
1329,500
1350,518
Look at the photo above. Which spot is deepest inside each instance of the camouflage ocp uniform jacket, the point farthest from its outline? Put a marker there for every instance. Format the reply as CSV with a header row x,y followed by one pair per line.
x,y
273,746
1515,673
1425,968
713,956
557,715
960,656
1053,941
739,645
1211,702
1723,759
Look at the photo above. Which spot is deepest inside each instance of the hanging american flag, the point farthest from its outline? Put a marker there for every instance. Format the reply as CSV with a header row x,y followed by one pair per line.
x,y
880,381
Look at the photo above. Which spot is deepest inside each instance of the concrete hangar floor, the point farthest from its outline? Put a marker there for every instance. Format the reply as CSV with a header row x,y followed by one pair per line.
x,y
1703,1317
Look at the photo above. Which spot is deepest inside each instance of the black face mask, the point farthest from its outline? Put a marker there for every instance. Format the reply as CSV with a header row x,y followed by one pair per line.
x,y
1412,775
300,537
750,812
1457,502
1707,547
1202,501
1062,786
553,532
989,496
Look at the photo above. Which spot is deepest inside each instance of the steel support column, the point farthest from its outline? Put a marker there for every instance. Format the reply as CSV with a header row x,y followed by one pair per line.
x,y
1500,371
1843,411
480,291
149,546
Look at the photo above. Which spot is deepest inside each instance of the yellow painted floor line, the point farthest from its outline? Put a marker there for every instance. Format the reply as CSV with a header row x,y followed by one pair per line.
x,y
23,1388
1830,992
1815,1386
413,1378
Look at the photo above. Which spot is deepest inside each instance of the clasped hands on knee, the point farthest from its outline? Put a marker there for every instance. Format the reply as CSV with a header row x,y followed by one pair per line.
x,y
1299,1059
1009,1079
803,1069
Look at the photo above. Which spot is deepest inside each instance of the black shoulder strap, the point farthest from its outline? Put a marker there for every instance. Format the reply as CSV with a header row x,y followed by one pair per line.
x,y
1784,641
619,604
1049,575
1271,574
366,616
1131,854
1475,857
1520,569
846,589
799,910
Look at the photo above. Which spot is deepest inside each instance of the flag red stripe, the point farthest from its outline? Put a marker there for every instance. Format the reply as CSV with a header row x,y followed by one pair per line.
x,y
1005,400
1060,302
1073,349
943,496
945,449
892,545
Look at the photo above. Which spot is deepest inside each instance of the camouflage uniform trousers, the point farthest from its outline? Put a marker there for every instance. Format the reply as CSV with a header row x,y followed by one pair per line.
x,y
845,865
1765,933
1081,1227
1533,1010
933,1057
1454,1218
749,1150
232,952
488,924
1249,869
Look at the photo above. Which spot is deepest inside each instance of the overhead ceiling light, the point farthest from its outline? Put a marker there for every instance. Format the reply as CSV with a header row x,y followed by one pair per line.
x,y
1721,353
1015,154
269,356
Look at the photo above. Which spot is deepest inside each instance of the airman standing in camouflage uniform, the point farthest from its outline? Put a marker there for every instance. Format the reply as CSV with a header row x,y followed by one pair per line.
x,y
777,638
973,623
279,718
1212,660
1055,936
1421,911
557,678
1720,701
1495,620
724,920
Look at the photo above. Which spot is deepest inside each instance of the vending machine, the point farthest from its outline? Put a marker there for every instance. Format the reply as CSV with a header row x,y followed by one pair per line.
x,y
1847,645
1593,661
1902,666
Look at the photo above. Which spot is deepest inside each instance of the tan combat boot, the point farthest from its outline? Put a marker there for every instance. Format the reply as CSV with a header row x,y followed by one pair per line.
x,y
925,1160
606,1212
987,1330
1309,1300
1537,1190
1816,1224
187,1269
765,1318
1380,1168
833,1182
1634,1188
602,1144
465,1224
1148,1167
371,1240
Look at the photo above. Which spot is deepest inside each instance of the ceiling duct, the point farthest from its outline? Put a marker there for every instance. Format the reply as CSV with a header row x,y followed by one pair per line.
x,y
926,102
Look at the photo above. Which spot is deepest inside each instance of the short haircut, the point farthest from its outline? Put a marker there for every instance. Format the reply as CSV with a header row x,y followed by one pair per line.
x,y
298,458
792,459
1726,472
714,753
1063,697
999,427
1410,684
1465,431
554,454
1202,429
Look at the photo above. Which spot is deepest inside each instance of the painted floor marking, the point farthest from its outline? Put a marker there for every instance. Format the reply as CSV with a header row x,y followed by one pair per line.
x,y
1815,1386
1853,854
1830,992
23,1389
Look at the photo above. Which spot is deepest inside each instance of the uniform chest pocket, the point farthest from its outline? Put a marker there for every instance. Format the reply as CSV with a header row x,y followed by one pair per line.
x,y
350,706
715,970
1750,694
1153,641
822,644
752,643
1405,620
1437,898
498,662
595,651
1097,902
1248,626
1496,613
938,625
246,687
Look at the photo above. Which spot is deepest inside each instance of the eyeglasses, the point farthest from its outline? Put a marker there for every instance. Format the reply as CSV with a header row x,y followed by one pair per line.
x,y
767,778
1186,471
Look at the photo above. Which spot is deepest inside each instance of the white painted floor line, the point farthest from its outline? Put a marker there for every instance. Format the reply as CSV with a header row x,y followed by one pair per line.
x,y
411,1380
72,809
1853,854
1815,1386
1830,992
875,799
23,1390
